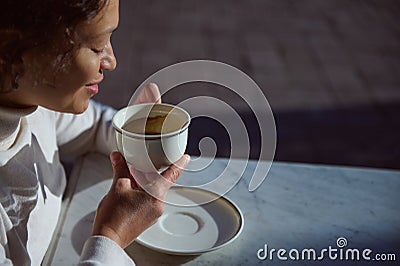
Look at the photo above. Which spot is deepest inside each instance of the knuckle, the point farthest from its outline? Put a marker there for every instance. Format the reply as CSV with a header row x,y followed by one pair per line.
x,y
158,210
175,172
119,185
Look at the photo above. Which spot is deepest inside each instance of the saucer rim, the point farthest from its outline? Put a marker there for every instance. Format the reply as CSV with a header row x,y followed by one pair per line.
x,y
238,232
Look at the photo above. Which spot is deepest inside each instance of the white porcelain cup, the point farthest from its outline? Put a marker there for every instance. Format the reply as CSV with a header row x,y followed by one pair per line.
x,y
151,153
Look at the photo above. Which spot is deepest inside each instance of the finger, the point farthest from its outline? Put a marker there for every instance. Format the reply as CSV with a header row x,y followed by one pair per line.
x,y
143,179
154,92
149,94
175,170
119,165
133,173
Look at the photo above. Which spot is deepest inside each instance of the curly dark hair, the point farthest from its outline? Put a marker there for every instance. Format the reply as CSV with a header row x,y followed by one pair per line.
x,y
26,24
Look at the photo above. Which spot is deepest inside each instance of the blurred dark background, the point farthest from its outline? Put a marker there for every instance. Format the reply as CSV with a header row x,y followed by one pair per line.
x,y
330,70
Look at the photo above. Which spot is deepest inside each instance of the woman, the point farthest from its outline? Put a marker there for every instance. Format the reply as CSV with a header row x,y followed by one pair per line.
x,y
52,58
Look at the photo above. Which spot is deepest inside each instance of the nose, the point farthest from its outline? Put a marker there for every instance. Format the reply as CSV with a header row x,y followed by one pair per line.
x,y
108,61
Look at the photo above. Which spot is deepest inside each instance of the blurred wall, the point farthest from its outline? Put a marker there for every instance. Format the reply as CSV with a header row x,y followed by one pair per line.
x,y
330,70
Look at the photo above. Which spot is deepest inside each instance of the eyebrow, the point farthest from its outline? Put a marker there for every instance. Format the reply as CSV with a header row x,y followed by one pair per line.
x,y
108,30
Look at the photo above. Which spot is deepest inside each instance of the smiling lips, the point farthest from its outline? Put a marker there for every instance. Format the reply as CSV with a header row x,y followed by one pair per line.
x,y
93,88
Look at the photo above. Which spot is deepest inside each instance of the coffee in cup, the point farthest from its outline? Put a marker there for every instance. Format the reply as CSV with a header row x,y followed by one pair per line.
x,y
151,136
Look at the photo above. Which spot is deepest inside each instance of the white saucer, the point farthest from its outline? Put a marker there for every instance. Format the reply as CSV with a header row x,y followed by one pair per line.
x,y
192,230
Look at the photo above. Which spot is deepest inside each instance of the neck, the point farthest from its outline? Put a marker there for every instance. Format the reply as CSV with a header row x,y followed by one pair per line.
x,y
11,100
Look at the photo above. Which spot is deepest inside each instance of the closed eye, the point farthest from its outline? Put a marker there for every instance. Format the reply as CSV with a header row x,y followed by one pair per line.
x,y
97,51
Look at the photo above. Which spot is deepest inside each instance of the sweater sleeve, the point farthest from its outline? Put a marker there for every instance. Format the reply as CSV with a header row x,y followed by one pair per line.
x,y
5,225
100,250
4,261
90,131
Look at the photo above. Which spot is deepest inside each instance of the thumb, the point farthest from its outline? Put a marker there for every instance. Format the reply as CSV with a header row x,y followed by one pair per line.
x,y
176,169
119,165
149,94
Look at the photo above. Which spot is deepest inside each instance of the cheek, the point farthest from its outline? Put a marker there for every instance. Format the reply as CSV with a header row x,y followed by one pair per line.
x,y
83,69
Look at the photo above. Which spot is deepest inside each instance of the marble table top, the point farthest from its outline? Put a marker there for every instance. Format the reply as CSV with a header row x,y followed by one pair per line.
x,y
299,209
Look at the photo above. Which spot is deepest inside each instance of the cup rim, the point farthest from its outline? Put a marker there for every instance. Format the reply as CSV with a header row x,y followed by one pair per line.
x,y
151,136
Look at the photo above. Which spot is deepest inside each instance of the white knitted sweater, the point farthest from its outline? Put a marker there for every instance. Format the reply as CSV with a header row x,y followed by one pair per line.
x,y
32,179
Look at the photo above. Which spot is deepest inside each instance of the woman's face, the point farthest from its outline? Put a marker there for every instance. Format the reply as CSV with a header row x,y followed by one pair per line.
x,y
66,83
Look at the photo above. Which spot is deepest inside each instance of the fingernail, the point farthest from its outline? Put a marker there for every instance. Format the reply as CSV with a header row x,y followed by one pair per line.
x,y
187,158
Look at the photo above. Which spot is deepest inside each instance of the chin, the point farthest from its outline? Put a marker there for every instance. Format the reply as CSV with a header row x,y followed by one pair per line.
x,y
78,112
77,108
83,108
